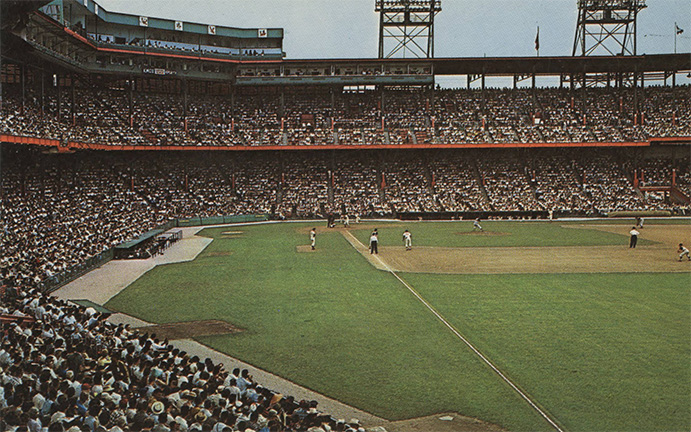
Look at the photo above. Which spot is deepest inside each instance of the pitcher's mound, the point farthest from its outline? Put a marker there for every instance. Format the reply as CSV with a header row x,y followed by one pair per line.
x,y
482,233
305,248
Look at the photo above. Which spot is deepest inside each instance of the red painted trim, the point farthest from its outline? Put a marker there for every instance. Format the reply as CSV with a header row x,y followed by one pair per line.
x,y
187,57
115,50
148,53
154,54
29,140
76,145
672,139
90,146
655,188
80,37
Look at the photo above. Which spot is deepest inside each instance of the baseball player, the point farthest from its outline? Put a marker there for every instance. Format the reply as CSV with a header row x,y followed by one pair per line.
x,y
408,240
634,237
476,224
313,237
683,251
346,221
374,242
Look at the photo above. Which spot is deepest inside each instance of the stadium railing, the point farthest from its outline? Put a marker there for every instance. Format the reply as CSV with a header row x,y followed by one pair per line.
x,y
219,220
56,281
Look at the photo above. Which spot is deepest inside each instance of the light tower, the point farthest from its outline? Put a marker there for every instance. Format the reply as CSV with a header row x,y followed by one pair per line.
x,y
406,27
606,27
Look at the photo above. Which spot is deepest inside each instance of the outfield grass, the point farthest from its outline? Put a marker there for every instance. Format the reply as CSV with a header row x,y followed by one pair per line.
x,y
599,352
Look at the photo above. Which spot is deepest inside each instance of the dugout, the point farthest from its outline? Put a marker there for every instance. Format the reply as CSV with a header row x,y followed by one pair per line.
x,y
134,248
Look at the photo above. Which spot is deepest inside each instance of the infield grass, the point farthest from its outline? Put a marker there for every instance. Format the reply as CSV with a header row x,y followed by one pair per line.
x,y
598,352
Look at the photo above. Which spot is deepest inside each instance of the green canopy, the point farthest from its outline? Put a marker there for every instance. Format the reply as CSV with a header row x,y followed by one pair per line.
x,y
141,239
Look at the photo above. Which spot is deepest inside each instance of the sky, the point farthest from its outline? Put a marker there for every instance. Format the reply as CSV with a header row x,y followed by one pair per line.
x,y
464,28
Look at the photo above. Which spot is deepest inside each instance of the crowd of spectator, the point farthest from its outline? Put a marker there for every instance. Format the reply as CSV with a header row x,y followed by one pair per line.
x,y
61,210
64,367
113,116
407,185
357,186
455,180
508,185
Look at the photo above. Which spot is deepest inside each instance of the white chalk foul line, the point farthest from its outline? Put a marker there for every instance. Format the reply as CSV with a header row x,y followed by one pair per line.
x,y
462,338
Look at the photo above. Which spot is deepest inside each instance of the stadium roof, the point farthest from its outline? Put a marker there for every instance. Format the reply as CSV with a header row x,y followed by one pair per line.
x,y
529,65
490,66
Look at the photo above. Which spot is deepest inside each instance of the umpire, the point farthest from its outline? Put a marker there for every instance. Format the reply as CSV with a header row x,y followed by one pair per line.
x,y
374,242
634,237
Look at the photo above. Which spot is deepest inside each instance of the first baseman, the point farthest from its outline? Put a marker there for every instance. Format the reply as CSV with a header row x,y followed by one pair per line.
x,y
408,240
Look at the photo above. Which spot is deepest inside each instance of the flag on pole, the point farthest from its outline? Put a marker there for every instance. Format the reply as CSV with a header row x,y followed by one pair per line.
x,y
537,39
679,30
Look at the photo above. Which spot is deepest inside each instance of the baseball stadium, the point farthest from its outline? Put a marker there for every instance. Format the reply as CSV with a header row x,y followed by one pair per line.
x,y
211,224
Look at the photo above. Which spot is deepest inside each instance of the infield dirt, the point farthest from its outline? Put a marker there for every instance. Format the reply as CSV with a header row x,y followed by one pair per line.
x,y
659,257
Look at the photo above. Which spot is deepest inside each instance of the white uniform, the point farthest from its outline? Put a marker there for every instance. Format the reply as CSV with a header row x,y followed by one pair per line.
x,y
374,243
313,238
476,224
684,251
408,240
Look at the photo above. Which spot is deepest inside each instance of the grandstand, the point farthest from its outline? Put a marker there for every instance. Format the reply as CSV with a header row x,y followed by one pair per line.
x,y
115,128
